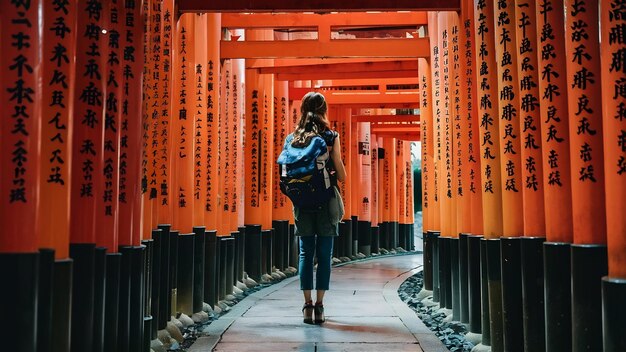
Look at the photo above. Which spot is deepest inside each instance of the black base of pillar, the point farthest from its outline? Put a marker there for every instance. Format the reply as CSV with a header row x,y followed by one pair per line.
x,y
512,308
278,245
375,239
220,268
240,244
340,244
412,237
445,275
173,294
20,276
393,234
355,235
185,283
495,295
137,296
345,230
44,300
147,326
112,300
230,263
455,282
463,277
155,286
82,296
484,294
383,235
266,255
435,235
210,268
613,313
428,260
532,292
402,236
147,282
558,297
162,241
253,252
62,305
198,268
123,332
294,247
589,265
474,284
365,237
99,298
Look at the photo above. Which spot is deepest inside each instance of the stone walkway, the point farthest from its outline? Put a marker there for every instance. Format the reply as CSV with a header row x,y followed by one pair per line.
x,y
363,313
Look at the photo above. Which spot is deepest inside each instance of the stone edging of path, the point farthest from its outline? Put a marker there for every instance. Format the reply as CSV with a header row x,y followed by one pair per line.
x,y
428,341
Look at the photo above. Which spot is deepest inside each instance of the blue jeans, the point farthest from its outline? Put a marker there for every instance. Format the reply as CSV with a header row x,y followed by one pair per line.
x,y
322,247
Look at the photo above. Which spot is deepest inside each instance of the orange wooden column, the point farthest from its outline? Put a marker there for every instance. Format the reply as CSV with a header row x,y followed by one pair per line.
x,y
106,223
613,25
553,92
226,147
21,97
355,170
253,141
212,120
585,107
400,183
365,172
345,134
614,120
238,86
426,125
132,127
391,160
588,253
164,168
200,120
267,145
460,208
281,204
88,129
375,181
469,122
435,62
489,121
509,114
383,185
151,117
56,144
182,118
444,125
530,119
554,121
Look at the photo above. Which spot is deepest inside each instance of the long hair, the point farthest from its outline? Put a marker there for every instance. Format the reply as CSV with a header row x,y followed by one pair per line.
x,y
312,119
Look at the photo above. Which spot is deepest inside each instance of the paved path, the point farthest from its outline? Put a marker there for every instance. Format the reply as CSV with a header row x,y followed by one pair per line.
x,y
363,313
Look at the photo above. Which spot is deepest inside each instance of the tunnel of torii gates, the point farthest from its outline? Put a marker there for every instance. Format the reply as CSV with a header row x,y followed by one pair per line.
x,y
139,138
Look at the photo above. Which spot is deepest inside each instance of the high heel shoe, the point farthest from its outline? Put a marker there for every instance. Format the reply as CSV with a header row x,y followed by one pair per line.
x,y
307,312
319,313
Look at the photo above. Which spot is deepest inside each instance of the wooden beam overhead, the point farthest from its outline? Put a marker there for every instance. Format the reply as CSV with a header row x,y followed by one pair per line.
x,y
392,65
341,71
339,20
409,48
344,75
364,98
386,118
316,5
412,137
395,128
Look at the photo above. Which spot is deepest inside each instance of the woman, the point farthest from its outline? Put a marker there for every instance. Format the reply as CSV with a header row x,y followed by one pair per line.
x,y
314,227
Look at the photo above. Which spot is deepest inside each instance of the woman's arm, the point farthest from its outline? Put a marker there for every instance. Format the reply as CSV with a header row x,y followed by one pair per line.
x,y
336,156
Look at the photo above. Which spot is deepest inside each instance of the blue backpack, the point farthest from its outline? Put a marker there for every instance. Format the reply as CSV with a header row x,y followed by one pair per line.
x,y
304,177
